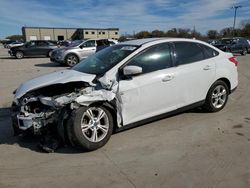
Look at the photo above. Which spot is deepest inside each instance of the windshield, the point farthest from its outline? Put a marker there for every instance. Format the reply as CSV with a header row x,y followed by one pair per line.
x,y
76,43
226,41
105,59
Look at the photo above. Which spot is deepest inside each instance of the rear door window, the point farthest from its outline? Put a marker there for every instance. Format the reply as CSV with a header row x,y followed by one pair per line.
x,y
90,43
188,52
42,43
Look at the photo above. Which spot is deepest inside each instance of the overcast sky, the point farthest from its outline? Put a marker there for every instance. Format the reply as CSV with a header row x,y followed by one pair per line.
x,y
128,15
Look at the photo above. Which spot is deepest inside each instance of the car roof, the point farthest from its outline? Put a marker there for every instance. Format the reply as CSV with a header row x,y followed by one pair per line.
x,y
140,42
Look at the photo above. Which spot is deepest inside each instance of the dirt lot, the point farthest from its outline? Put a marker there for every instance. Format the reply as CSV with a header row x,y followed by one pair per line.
x,y
192,149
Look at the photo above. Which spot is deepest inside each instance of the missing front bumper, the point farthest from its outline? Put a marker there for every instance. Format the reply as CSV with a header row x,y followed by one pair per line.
x,y
24,123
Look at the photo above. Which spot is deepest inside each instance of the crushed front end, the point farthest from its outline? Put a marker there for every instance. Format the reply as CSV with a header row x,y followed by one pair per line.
x,y
32,114
39,109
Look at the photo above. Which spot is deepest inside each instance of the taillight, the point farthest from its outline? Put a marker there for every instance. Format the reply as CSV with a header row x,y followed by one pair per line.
x,y
234,60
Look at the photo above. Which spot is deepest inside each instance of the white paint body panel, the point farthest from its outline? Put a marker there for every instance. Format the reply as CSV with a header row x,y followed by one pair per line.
x,y
194,81
155,93
148,95
190,83
58,77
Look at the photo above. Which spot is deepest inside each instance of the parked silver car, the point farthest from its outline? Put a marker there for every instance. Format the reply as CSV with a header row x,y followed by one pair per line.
x,y
76,51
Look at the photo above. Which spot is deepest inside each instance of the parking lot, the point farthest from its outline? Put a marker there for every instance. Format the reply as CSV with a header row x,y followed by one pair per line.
x,y
191,149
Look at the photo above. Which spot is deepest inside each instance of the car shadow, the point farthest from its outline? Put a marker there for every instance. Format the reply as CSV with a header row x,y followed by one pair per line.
x,y
31,142
25,141
12,57
7,58
50,64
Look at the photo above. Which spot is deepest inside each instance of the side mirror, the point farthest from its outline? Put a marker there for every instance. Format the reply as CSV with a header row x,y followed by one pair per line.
x,y
131,70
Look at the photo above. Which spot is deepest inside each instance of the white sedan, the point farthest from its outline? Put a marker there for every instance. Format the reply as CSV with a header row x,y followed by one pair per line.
x,y
125,85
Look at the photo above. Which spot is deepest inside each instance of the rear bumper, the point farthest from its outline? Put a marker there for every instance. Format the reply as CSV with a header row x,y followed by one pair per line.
x,y
233,90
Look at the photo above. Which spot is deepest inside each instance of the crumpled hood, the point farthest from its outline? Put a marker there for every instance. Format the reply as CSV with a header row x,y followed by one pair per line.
x,y
64,76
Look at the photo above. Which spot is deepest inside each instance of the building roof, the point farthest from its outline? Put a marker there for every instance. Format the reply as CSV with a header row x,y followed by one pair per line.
x,y
69,28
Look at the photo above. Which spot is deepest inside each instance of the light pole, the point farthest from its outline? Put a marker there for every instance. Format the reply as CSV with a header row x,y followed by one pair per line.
x,y
235,13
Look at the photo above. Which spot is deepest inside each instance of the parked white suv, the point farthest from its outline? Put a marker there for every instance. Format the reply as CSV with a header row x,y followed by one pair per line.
x,y
76,51
125,85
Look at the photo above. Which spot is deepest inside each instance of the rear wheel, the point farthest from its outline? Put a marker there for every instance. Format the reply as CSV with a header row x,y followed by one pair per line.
x,y
71,60
217,96
92,127
19,55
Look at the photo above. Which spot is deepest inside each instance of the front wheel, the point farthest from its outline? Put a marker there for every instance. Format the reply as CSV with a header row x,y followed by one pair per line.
x,y
71,60
217,96
49,53
92,127
19,55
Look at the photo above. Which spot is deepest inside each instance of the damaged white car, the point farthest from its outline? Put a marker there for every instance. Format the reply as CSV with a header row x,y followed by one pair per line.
x,y
124,85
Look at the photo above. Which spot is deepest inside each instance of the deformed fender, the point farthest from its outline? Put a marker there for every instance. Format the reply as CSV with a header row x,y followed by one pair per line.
x,y
109,92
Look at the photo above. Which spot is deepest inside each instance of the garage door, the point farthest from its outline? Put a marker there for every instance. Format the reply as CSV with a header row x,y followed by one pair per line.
x,y
33,38
46,37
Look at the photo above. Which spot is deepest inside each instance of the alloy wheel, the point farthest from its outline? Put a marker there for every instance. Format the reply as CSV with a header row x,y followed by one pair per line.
x,y
72,60
94,124
19,55
219,96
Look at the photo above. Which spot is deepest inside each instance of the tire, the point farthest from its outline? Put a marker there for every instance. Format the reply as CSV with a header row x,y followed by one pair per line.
x,y
217,96
71,60
19,54
244,52
49,53
84,133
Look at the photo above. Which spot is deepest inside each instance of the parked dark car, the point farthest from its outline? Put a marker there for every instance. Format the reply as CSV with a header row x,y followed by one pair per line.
x,y
234,45
33,48
64,43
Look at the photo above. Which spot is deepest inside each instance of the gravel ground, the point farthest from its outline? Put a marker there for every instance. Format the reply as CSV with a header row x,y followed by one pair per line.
x,y
192,149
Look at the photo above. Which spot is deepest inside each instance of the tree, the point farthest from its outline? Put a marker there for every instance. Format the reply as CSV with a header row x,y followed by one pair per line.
x,y
143,34
243,23
184,33
172,33
212,34
157,33
245,28
227,32
15,37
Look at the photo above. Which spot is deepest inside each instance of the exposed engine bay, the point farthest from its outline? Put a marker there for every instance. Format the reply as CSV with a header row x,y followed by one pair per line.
x,y
49,108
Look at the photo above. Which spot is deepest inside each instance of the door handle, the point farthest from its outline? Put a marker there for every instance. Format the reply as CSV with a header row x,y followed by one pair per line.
x,y
167,78
207,67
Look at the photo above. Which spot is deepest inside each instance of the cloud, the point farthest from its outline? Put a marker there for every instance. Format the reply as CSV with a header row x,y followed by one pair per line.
x,y
128,15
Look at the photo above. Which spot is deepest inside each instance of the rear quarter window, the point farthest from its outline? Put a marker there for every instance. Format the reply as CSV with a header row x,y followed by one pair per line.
x,y
208,51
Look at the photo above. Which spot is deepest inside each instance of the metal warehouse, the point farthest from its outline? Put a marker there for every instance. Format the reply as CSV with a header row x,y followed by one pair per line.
x,y
51,33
